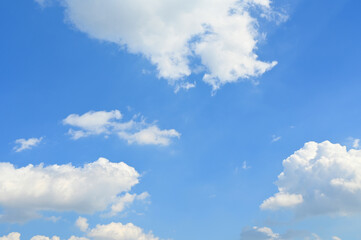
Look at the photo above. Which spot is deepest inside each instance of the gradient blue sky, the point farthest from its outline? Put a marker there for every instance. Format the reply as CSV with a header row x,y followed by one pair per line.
x,y
198,186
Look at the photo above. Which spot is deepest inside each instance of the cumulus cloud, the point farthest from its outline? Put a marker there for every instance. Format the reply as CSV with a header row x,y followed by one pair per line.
x,y
11,236
112,231
82,224
135,130
39,237
282,199
115,231
320,178
220,34
16,236
23,144
94,187
150,135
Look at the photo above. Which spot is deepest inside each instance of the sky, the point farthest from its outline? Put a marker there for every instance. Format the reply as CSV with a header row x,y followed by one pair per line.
x,y
184,120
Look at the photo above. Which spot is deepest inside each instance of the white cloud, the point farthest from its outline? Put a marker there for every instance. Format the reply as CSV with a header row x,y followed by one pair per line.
x,y
257,233
133,131
92,123
78,238
320,178
185,86
11,236
124,201
282,200
276,138
16,236
23,144
150,135
336,238
38,237
356,143
82,224
245,165
94,187
112,231
115,231
220,34
265,233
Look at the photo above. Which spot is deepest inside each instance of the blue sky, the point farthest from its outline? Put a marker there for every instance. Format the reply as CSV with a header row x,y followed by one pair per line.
x,y
207,158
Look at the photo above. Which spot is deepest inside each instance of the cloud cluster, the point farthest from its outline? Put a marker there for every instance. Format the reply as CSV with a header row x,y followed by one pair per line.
x,y
133,131
16,236
320,178
112,231
221,35
23,144
94,187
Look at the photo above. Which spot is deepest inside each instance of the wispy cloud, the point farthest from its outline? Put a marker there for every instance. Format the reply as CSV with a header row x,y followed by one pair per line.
x,y
245,165
275,138
23,144
356,143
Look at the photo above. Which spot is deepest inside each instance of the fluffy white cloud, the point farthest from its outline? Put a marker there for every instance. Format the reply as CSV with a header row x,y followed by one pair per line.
x,y
220,34
133,131
115,231
336,238
94,187
11,236
16,236
23,144
82,224
320,178
38,237
92,123
112,231
150,135
282,199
